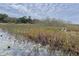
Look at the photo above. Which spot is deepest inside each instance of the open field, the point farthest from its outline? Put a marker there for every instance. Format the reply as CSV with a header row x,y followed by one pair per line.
x,y
48,35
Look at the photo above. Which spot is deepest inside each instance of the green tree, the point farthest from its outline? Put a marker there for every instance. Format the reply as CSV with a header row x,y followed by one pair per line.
x,y
2,17
22,20
29,19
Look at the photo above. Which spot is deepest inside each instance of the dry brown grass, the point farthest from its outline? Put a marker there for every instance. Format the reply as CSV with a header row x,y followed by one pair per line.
x,y
47,35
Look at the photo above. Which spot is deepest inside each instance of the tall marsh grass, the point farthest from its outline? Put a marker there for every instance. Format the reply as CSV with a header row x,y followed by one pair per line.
x,y
47,35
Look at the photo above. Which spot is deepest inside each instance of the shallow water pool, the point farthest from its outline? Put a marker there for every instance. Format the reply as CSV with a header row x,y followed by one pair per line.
x,y
12,46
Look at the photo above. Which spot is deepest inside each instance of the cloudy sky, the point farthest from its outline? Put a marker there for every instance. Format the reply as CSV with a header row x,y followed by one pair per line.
x,y
69,12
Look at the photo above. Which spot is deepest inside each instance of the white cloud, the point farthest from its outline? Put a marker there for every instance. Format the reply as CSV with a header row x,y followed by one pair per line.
x,y
20,8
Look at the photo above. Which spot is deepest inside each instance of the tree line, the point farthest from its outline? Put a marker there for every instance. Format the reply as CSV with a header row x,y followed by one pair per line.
x,y
4,18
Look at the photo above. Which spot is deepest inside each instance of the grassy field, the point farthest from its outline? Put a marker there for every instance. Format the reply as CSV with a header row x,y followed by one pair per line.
x,y
48,35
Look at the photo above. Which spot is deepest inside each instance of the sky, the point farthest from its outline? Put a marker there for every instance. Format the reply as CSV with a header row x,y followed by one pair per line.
x,y
64,11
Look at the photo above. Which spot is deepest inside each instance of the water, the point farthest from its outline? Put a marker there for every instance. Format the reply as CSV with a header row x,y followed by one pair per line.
x,y
12,46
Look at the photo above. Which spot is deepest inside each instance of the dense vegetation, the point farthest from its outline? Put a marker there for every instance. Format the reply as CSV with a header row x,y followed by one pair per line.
x,y
56,33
